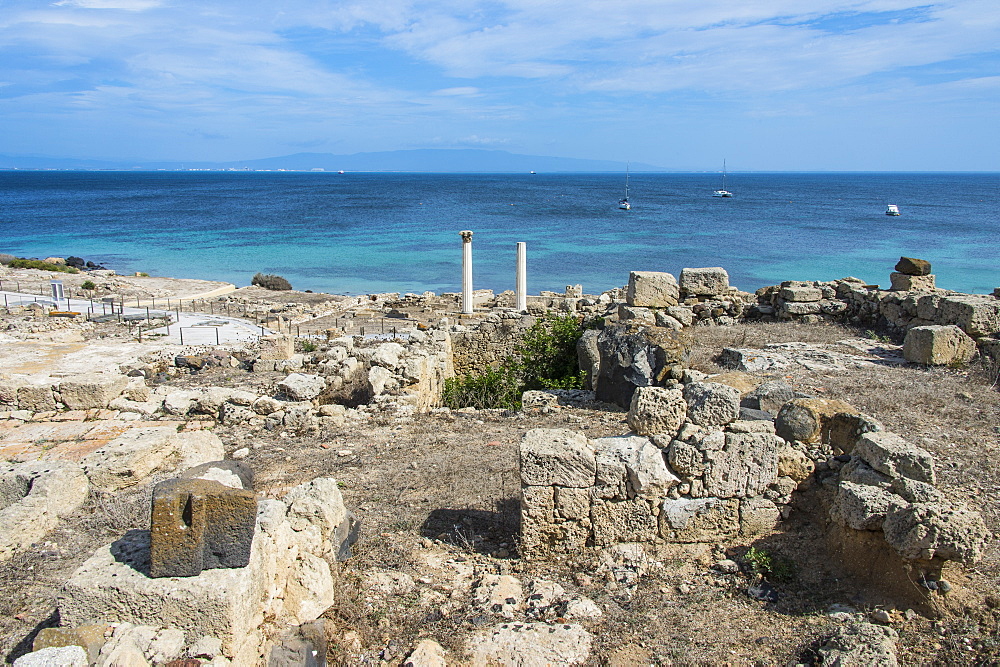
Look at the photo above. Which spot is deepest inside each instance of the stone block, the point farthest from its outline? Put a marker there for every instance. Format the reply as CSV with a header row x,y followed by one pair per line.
x,y
302,386
199,525
93,390
707,281
711,404
770,396
932,530
977,315
744,467
277,347
634,464
636,314
88,637
699,519
138,453
652,289
891,455
913,267
938,345
807,419
36,397
791,309
62,656
530,644
557,457
758,516
801,294
234,474
33,496
657,410
615,521
901,282
862,507
844,429
635,357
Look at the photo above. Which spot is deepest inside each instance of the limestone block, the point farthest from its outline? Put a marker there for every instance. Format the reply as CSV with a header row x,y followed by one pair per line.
x,y
231,414
302,386
534,399
794,463
138,453
845,428
913,491
711,404
36,397
752,360
859,472
63,656
708,281
88,637
745,466
934,530
636,314
807,419
977,315
92,390
388,355
501,594
682,314
938,345
901,282
145,408
277,347
318,517
699,519
638,461
310,589
686,459
662,319
615,521
589,357
32,498
657,410
234,474
181,401
199,524
542,531
801,294
378,379
652,289
557,457
570,503
265,405
524,644
860,644
790,309
862,507
913,267
758,516
891,455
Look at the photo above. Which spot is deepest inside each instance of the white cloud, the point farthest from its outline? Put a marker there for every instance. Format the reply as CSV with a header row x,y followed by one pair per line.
x,y
460,91
127,5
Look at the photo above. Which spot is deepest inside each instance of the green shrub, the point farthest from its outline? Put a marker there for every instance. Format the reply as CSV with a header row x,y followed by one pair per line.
x,y
88,285
308,345
493,388
39,264
770,566
271,282
544,359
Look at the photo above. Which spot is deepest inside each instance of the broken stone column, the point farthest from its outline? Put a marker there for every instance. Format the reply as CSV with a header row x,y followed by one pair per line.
x,y
521,286
466,271
199,524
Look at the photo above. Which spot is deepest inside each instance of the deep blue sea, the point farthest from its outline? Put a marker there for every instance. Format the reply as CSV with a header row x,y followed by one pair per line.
x,y
376,232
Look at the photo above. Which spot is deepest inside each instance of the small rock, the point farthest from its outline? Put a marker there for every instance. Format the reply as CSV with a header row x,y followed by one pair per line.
x,y
943,586
881,616
727,566
763,591
910,614
684,589
241,453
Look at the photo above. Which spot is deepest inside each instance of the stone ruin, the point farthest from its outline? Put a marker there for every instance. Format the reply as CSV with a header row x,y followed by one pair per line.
x,y
704,465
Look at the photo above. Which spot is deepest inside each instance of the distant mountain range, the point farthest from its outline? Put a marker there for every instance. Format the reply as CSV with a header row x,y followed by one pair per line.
x,y
422,160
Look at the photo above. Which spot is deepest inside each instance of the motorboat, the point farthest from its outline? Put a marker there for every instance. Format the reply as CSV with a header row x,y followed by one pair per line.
x,y
892,209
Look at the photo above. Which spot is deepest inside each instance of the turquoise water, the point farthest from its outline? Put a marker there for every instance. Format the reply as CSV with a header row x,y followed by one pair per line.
x,y
359,233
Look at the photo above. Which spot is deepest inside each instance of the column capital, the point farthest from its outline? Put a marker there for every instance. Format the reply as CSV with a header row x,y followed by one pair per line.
x,y
466,236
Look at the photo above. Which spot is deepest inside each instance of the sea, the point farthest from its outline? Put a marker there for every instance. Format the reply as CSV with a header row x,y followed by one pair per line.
x,y
360,233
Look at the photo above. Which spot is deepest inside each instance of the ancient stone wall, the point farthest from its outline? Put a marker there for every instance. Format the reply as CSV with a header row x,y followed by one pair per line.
x,y
489,343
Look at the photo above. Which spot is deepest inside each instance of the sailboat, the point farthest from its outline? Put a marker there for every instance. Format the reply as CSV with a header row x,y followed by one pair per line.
x,y
623,202
723,192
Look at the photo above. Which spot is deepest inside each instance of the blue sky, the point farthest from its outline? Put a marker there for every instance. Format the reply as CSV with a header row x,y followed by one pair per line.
x,y
766,85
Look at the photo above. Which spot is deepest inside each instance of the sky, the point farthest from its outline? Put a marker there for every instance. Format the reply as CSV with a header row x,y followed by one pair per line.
x,y
894,85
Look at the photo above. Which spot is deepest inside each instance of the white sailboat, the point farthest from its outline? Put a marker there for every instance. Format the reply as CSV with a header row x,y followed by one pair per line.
x,y
723,192
623,202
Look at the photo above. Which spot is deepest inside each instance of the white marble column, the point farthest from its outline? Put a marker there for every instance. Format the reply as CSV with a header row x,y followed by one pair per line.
x,y
521,286
466,271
